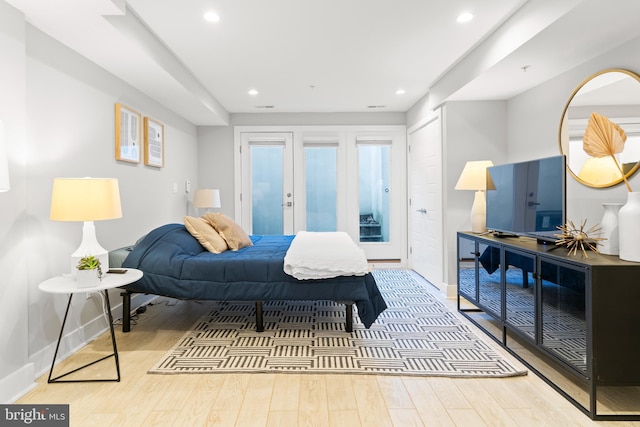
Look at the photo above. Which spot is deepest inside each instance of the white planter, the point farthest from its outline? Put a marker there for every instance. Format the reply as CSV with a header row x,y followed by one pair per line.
x,y
87,278
629,223
610,231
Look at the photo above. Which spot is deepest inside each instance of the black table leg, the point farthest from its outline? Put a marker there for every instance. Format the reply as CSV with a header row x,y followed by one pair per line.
x,y
113,342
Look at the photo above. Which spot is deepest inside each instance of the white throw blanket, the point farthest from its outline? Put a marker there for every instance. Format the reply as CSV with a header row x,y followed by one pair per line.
x,y
323,255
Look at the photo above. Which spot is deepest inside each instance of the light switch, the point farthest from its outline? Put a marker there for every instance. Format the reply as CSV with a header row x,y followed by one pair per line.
x,y
187,186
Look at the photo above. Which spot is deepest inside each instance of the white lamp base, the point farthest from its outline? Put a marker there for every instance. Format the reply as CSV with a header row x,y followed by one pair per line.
x,y
479,213
89,246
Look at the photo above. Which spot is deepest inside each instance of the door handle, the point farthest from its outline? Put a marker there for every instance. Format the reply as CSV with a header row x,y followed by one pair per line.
x,y
288,204
423,210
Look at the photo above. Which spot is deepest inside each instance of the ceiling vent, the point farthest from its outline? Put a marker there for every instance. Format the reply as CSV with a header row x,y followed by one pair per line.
x,y
265,106
376,106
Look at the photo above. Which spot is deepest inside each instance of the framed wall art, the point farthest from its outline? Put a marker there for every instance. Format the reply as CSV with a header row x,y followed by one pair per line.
x,y
153,143
128,134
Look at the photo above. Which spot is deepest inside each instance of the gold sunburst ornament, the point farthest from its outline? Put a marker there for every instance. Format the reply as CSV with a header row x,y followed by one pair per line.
x,y
577,238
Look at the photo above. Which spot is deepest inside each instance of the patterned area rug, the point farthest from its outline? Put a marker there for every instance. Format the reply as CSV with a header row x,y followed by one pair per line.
x,y
416,335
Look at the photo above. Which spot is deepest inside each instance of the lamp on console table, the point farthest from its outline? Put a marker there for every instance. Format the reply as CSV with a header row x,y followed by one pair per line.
x,y
474,177
87,200
206,198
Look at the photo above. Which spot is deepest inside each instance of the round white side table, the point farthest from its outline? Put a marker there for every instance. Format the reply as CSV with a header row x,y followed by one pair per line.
x,y
68,285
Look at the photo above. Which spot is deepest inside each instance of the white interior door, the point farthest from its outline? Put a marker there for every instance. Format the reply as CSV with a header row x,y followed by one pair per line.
x,y
267,183
425,176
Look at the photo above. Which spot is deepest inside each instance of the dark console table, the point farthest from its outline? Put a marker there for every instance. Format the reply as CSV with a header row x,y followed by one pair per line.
x,y
573,320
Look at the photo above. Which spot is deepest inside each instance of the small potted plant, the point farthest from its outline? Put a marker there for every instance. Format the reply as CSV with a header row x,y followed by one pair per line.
x,y
89,272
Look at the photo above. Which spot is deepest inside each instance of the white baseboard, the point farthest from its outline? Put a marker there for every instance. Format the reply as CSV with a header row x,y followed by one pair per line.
x,y
451,291
17,384
74,339
387,264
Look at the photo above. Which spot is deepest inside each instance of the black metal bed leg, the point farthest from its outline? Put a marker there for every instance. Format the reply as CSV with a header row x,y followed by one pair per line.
x,y
126,311
259,317
348,323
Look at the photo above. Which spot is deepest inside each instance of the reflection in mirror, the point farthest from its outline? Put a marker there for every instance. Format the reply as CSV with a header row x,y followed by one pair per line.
x,y
614,94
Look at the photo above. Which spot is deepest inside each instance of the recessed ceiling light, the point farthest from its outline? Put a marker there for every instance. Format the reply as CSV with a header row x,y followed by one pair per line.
x,y
252,92
400,92
212,17
464,17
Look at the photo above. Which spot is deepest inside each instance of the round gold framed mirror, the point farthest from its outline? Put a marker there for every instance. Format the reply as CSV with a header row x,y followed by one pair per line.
x,y
614,94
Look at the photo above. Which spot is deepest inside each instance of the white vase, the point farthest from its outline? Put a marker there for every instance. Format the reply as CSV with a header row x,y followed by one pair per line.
x,y
629,228
609,225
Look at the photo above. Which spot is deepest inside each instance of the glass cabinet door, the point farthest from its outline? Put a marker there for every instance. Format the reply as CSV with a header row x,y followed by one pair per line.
x,y
489,279
564,323
467,269
520,287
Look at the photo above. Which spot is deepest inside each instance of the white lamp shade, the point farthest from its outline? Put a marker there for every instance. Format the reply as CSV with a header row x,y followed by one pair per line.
x,y
85,199
474,175
206,198
600,171
4,162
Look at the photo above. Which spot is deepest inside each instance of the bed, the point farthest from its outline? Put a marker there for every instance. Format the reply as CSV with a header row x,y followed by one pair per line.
x,y
176,265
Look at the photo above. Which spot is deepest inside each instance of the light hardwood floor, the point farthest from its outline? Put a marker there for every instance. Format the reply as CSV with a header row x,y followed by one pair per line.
x,y
282,400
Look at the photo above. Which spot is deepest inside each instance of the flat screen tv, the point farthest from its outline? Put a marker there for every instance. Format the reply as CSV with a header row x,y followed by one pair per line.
x,y
527,198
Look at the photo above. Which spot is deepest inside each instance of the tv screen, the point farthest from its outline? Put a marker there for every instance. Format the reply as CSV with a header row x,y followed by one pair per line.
x,y
527,198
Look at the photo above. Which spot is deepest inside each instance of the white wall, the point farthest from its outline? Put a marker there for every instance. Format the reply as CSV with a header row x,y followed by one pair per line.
x,y
215,143
533,127
16,373
68,104
522,128
215,164
473,130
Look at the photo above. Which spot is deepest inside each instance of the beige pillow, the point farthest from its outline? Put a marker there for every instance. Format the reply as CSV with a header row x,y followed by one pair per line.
x,y
231,232
205,234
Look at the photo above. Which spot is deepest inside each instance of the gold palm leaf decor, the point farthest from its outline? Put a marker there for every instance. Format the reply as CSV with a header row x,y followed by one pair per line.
x,y
575,238
604,138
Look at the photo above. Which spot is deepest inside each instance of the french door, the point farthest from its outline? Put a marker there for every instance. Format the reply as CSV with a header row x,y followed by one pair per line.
x,y
325,179
267,183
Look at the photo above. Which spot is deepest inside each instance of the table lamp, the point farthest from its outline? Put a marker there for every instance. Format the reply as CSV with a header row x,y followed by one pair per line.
x,y
474,177
600,171
87,200
206,198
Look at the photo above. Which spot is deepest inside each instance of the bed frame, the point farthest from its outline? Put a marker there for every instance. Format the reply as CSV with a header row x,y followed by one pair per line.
x,y
126,319
175,265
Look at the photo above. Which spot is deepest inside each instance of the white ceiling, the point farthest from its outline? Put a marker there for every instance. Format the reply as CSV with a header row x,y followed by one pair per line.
x,y
331,55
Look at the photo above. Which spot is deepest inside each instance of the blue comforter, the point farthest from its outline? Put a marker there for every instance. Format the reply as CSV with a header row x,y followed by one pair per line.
x,y
176,265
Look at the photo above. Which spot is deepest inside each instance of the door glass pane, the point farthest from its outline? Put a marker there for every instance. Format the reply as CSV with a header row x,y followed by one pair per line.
x,y
490,279
321,188
564,322
467,269
266,189
520,293
373,183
